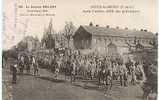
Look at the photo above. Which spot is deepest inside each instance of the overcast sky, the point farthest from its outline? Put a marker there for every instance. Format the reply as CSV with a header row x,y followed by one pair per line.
x,y
72,11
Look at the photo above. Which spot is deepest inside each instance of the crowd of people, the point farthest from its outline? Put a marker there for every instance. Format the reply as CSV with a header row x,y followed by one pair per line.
x,y
102,69
86,67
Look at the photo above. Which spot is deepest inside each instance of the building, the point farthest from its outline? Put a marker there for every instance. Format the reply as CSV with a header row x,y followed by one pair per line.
x,y
29,43
110,41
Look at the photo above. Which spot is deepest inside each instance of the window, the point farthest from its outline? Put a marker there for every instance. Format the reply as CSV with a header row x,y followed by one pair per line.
x,y
116,39
109,39
95,41
99,38
82,44
150,41
112,49
105,40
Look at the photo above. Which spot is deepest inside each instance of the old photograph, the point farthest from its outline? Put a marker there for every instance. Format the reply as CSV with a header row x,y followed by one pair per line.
x,y
80,50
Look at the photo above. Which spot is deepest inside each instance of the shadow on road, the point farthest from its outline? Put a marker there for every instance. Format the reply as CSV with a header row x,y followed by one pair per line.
x,y
90,87
51,79
26,74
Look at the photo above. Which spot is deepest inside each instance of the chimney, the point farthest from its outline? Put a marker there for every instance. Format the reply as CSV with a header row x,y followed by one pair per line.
x,y
107,26
97,25
145,30
156,34
126,28
117,27
90,24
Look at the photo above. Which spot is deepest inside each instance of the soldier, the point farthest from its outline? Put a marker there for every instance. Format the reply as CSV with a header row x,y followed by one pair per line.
x,y
86,64
93,69
99,68
28,64
121,74
77,66
141,73
73,73
109,74
21,64
89,68
35,66
115,73
56,69
67,68
82,67
133,75
14,69
53,65
125,75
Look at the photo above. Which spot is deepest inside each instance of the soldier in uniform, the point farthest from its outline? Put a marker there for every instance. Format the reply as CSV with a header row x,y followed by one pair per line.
x,y
73,72
93,69
35,66
57,66
27,64
125,75
121,74
68,67
14,70
133,75
21,64
115,73
99,68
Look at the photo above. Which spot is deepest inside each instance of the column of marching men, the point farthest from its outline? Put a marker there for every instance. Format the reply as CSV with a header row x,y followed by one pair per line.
x,y
104,71
28,63
84,67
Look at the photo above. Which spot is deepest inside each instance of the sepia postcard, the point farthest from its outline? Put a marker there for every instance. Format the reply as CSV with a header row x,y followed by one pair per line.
x,y
79,50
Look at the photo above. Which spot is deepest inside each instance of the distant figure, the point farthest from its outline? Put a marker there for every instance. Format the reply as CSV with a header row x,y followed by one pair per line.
x,y
27,64
56,70
35,66
73,71
3,62
14,73
133,75
21,64
125,75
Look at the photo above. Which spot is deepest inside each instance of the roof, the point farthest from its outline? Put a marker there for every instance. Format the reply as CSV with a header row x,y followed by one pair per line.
x,y
96,30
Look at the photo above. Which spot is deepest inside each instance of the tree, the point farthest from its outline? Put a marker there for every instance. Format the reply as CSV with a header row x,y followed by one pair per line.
x,y
22,46
49,41
68,32
48,38
154,42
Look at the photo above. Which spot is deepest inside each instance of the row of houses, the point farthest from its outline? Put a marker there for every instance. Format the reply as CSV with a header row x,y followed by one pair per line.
x,y
112,42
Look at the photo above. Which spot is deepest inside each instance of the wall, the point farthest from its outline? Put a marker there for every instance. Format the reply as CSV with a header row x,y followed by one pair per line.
x,y
82,39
